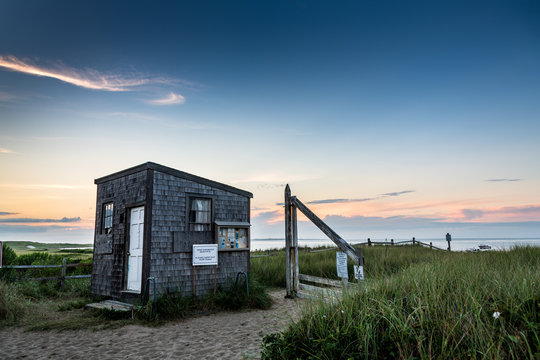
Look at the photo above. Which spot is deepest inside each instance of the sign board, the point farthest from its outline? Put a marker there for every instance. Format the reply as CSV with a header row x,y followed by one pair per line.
x,y
359,272
205,254
341,265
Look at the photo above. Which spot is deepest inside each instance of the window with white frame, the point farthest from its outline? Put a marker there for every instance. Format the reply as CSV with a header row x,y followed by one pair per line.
x,y
200,214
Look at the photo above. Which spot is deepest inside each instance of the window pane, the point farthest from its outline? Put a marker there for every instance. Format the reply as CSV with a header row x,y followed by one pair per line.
x,y
200,215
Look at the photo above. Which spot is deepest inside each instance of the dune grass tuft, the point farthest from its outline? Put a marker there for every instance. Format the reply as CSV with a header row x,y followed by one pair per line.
x,y
461,306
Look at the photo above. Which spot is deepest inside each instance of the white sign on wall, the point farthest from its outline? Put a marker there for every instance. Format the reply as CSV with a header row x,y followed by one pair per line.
x,y
205,254
341,265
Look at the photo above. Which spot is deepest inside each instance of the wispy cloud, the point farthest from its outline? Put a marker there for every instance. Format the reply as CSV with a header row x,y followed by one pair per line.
x,y
6,151
4,213
171,99
45,186
5,97
397,193
334,201
37,220
268,178
269,216
346,200
501,214
87,78
470,214
503,180
270,186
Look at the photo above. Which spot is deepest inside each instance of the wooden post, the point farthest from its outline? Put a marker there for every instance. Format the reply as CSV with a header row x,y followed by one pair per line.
x,y
413,240
295,269
391,241
194,290
63,279
288,240
215,278
368,242
430,245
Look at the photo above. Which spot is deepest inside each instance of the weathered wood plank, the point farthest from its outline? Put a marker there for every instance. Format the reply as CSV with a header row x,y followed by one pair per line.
x,y
320,290
295,243
320,280
288,240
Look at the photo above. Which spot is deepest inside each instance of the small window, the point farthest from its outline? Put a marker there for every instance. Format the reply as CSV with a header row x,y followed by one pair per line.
x,y
200,215
107,218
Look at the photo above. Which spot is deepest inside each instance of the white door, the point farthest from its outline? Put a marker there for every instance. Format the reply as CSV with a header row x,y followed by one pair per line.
x,y
136,231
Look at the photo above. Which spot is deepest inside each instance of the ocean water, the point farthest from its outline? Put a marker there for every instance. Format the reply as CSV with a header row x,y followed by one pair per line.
x,y
462,244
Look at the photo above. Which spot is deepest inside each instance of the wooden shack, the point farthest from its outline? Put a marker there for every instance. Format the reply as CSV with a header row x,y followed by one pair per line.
x,y
148,218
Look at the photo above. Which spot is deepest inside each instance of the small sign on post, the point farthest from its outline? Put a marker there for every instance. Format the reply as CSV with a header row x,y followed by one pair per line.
x,y
359,272
203,255
206,254
341,265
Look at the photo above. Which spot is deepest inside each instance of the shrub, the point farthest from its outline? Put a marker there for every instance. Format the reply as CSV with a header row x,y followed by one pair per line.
x,y
12,306
8,255
233,297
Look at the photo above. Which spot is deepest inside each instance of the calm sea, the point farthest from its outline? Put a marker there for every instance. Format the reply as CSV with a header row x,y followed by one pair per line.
x,y
462,244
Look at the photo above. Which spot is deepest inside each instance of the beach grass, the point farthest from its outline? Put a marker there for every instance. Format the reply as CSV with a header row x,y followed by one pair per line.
x,y
83,251
380,262
444,306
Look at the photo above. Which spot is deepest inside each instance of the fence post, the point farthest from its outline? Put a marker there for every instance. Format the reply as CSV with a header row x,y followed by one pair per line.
x,y
413,240
368,242
391,241
430,245
63,279
288,241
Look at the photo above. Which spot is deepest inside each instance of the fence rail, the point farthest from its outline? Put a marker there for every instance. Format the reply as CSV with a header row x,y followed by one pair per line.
x,y
62,278
392,243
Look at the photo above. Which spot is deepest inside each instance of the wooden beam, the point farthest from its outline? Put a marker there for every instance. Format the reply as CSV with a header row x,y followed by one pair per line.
x,y
320,280
288,240
295,244
342,244
320,290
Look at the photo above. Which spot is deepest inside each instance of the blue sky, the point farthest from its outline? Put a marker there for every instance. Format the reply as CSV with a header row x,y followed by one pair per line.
x,y
348,100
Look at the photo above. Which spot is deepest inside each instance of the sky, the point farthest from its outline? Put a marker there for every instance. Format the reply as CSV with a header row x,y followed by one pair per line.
x,y
389,119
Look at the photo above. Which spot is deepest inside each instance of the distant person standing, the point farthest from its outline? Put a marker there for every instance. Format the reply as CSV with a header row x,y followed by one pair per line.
x,y
448,239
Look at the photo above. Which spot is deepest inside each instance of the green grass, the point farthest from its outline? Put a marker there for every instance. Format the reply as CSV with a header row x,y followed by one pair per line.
x,y
64,249
423,305
44,306
24,303
380,261
9,257
231,298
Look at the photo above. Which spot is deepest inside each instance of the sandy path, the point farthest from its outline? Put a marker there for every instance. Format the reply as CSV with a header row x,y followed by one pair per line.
x,y
217,336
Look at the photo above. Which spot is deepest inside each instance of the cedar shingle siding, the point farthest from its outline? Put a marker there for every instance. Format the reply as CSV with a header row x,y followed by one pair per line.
x,y
165,193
